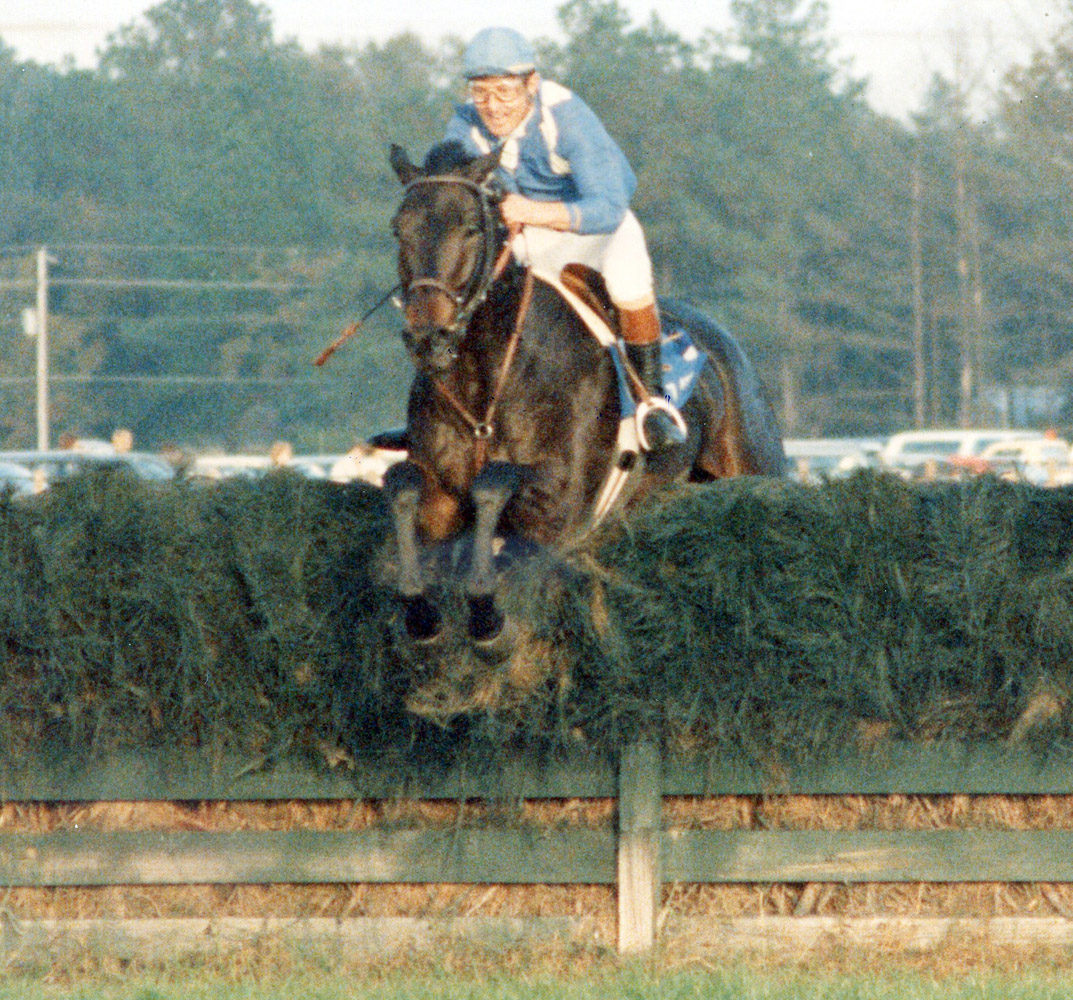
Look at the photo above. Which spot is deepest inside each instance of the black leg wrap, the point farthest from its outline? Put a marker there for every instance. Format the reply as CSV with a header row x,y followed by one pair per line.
x,y
485,619
422,620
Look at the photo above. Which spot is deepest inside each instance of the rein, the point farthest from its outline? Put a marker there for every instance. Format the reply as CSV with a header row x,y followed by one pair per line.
x,y
484,430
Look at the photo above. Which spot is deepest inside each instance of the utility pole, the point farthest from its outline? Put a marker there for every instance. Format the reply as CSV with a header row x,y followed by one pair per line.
x,y
916,256
788,365
971,317
967,332
42,349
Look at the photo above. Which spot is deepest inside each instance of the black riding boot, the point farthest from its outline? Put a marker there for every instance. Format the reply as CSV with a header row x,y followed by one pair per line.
x,y
660,428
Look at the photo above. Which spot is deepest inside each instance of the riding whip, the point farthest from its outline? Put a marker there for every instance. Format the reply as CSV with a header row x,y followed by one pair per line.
x,y
351,330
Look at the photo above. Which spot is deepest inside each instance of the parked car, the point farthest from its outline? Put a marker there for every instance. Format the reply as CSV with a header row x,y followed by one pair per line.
x,y
313,466
215,467
49,466
943,452
1042,461
812,460
17,478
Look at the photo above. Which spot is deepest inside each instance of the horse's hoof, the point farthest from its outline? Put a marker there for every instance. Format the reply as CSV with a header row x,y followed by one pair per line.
x,y
491,634
499,647
485,619
422,622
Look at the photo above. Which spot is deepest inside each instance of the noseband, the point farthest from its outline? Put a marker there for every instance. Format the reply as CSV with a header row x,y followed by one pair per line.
x,y
490,266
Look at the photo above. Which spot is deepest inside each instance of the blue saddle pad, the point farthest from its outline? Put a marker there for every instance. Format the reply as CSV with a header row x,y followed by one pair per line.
x,y
682,365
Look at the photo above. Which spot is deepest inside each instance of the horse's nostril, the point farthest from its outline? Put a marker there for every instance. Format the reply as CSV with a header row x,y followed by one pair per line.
x,y
431,346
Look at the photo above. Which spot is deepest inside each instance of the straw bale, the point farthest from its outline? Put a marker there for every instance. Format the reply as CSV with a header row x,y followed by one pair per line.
x,y
712,812
598,902
304,814
344,900
870,812
873,899
301,901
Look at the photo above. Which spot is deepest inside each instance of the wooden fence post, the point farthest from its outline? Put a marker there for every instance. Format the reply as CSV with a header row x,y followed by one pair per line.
x,y
640,820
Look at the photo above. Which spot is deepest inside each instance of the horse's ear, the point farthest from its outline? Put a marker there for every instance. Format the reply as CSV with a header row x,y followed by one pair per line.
x,y
479,169
400,163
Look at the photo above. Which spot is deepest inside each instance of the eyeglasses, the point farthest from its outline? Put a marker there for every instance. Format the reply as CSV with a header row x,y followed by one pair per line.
x,y
501,93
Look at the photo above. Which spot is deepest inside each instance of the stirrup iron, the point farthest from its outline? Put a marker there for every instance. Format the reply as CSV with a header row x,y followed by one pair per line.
x,y
646,406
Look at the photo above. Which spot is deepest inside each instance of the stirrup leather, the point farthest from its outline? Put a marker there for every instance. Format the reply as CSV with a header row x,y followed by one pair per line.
x,y
646,406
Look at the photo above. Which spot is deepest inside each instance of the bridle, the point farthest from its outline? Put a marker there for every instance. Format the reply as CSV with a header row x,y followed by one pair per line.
x,y
466,303
491,265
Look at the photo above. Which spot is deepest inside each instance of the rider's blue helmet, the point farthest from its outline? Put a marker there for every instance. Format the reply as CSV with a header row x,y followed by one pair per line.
x,y
498,52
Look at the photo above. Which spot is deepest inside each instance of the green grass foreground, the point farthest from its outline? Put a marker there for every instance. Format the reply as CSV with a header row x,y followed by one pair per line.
x,y
736,983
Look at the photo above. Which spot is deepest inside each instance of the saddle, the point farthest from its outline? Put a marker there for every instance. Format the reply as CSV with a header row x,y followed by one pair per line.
x,y
588,285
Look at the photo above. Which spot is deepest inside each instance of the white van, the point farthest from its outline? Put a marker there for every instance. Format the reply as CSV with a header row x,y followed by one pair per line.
x,y
911,452
1042,461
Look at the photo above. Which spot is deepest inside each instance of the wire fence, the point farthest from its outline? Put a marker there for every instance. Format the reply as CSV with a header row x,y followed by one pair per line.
x,y
196,346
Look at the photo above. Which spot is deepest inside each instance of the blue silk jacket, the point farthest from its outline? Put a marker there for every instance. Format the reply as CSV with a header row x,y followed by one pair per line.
x,y
561,152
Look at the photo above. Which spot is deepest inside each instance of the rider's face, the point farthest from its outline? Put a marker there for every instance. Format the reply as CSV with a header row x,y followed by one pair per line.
x,y
503,101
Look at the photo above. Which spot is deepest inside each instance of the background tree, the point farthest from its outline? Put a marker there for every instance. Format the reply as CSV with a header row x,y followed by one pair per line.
x,y
1031,218
880,272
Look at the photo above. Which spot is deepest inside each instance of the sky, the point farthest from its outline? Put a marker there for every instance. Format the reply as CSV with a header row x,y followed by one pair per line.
x,y
897,45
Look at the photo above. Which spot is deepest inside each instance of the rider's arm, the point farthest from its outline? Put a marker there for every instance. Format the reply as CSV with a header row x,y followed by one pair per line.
x,y
602,177
517,211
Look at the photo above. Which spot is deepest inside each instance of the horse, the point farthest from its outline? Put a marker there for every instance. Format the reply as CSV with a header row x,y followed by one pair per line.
x,y
514,411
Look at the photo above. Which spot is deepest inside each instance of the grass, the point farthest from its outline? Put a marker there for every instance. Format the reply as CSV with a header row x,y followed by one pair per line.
x,y
711,986
580,977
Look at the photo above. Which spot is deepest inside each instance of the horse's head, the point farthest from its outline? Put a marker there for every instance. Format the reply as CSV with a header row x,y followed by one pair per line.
x,y
448,230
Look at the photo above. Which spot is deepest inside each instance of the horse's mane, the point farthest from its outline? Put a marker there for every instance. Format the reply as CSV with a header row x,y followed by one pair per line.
x,y
446,157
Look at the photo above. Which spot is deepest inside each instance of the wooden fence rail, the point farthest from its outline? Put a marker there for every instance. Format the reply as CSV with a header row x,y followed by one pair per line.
x,y
638,857
195,775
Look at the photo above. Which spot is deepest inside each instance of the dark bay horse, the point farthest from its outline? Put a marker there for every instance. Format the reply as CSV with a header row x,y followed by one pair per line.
x,y
514,412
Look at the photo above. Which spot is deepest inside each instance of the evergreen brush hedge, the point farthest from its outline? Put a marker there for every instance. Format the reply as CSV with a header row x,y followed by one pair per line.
x,y
767,617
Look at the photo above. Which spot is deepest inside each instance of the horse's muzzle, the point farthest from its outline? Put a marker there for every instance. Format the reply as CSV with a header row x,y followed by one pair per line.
x,y
432,349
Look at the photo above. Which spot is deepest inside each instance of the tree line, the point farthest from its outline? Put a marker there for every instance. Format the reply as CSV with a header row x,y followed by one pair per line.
x,y
881,273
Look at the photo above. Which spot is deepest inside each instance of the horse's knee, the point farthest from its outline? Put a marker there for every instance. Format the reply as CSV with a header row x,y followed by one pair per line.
x,y
415,501
402,485
495,484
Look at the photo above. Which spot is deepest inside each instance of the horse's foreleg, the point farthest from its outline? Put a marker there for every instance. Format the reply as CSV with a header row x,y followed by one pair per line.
x,y
402,485
493,487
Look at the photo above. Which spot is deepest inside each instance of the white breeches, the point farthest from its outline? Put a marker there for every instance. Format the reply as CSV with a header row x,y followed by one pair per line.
x,y
621,257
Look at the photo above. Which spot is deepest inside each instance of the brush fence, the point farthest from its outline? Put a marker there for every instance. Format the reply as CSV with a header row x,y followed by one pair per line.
x,y
637,856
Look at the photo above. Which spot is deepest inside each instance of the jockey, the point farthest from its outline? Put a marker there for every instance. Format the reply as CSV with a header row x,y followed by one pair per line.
x,y
570,186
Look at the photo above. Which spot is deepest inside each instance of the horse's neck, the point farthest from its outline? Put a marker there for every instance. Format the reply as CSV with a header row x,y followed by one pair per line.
x,y
493,326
